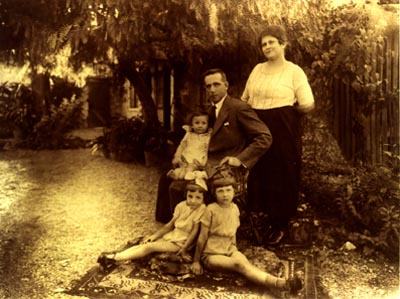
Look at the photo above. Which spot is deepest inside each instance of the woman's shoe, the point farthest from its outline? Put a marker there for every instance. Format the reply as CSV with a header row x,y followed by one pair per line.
x,y
275,237
105,261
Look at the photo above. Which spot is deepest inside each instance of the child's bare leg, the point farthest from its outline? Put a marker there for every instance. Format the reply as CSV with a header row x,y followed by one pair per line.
x,y
142,250
238,262
255,274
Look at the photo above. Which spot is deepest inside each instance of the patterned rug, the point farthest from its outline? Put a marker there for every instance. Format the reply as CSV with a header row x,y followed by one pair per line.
x,y
166,276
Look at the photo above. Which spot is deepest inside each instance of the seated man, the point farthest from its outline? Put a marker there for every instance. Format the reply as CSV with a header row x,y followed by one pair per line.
x,y
239,138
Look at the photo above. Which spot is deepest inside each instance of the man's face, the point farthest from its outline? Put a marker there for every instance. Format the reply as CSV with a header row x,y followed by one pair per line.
x,y
216,87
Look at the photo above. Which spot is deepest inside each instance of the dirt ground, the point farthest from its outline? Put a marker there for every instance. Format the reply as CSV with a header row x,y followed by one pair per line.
x,y
60,209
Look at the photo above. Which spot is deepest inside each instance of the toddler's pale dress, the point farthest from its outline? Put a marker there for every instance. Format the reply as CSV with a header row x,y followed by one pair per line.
x,y
193,147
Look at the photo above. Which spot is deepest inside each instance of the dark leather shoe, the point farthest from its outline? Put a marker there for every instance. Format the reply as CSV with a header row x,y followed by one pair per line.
x,y
275,237
295,285
106,262
268,231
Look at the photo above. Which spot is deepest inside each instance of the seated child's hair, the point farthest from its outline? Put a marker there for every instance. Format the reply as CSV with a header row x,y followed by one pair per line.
x,y
224,177
197,112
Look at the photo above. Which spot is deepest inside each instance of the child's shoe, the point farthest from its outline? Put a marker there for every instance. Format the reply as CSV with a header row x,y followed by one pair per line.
x,y
295,284
106,262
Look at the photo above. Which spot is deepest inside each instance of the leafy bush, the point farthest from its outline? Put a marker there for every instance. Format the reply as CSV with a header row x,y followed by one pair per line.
x,y
127,139
49,132
370,210
355,204
365,215
361,208
16,109
123,140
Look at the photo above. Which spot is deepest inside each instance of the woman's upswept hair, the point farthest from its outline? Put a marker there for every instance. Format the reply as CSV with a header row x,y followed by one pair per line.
x,y
276,31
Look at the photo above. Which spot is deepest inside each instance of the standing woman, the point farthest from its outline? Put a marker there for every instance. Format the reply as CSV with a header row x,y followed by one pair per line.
x,y
279,92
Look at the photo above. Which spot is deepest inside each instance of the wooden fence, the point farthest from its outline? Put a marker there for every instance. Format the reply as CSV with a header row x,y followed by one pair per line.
x,y
371,137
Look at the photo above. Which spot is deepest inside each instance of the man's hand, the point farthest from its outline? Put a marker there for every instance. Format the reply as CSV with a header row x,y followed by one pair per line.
x,y
197,163
196,268
176,162
232,161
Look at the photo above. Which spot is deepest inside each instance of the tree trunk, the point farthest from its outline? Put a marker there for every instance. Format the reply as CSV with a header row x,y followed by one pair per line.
x,y
41,93
144,94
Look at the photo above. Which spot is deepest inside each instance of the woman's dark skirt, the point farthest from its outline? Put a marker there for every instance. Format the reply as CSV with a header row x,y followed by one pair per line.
x,y
273,185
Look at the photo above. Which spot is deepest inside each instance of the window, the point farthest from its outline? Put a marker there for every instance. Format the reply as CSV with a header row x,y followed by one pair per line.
x,y
133,98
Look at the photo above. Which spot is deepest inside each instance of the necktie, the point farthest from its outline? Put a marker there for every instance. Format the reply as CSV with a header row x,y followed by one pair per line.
x,y
212,117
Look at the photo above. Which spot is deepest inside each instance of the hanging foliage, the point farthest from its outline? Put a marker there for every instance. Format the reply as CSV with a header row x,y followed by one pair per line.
x,y
326,41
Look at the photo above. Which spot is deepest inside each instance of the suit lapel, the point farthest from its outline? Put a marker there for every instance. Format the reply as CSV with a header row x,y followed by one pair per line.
x,y
222,116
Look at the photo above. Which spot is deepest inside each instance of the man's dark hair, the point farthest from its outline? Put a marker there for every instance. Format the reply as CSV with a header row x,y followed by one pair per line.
x,y
215,71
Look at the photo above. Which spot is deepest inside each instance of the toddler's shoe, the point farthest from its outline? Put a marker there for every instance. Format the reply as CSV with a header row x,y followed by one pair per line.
x,y
172,174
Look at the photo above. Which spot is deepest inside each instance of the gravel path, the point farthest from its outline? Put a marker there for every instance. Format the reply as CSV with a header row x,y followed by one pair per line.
x,y
59,209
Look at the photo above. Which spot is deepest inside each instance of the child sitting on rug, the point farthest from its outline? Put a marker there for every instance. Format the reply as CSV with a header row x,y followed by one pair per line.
x,y
216,245
191,155
177,236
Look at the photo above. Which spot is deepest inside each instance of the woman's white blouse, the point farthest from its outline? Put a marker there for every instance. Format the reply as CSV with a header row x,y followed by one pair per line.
x,y
268,90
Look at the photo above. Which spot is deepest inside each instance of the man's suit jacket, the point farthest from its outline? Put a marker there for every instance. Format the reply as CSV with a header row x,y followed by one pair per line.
x,y
238,132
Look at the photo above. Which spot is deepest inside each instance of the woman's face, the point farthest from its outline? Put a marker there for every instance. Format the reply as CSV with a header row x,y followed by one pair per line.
x,y
271,47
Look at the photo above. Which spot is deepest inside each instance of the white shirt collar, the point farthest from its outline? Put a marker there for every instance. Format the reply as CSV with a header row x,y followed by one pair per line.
x,y
218,105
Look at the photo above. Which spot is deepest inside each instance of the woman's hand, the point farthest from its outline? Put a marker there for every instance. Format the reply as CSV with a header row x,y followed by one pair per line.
x,y
196,268
176,162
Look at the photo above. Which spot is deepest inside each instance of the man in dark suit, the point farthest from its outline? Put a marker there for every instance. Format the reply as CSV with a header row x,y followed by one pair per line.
x,y
239,138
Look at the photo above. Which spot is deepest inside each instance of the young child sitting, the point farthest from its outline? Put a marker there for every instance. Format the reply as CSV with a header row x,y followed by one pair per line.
x,y
191,155
177,236
216,245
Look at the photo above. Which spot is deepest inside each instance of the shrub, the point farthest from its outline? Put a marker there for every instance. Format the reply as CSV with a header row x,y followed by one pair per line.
x,y
16,109
370,212
127,139
49,131
123,140
360,206
356,204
